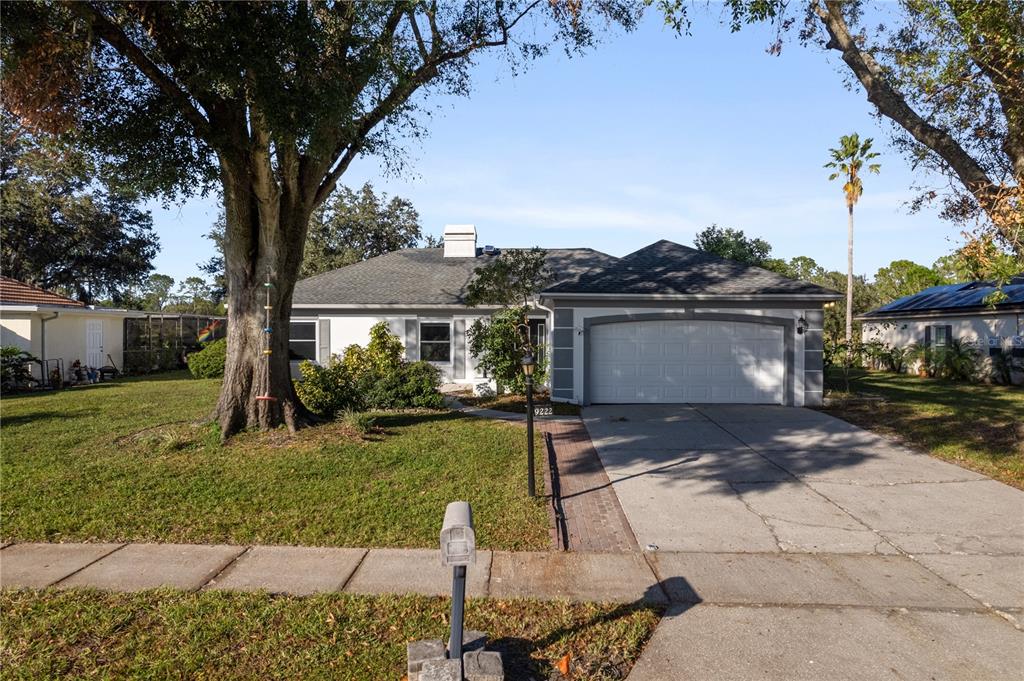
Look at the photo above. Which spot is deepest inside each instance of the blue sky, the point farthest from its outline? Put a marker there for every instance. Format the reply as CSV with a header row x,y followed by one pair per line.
x,y
648,136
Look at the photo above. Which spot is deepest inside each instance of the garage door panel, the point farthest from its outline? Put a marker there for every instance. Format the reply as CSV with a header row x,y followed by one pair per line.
x,y
652,371
686,361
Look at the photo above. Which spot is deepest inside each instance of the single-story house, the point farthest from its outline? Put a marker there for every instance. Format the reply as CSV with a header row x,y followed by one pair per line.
x,y
53,327
666,324
60,331
941,314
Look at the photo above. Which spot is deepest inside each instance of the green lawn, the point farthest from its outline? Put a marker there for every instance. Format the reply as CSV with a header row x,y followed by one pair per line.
x,y
217,635
977,426
129,461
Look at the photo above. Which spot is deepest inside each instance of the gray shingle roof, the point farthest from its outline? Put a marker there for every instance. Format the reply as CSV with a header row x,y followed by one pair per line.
x,y
422,276
668,268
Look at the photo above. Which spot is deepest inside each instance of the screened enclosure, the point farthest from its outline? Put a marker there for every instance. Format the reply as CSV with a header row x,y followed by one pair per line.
x,y
160,342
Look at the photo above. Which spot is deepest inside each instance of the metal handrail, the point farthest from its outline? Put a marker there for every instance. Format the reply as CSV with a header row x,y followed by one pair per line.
x,y
561,529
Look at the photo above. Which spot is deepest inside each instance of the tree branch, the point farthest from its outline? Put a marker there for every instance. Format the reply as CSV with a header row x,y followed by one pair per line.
x,y
1006,81
116,38
348,149
893,105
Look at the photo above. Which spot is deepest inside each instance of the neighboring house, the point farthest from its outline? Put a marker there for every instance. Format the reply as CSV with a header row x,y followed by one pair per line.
x,y
941,314
666,324
52,327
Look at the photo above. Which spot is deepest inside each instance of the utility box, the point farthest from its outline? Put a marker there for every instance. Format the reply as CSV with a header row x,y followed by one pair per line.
x,y
458,538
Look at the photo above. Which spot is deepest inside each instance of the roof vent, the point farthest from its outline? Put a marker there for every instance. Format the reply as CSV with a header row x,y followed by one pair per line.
x,y
490,250
460,241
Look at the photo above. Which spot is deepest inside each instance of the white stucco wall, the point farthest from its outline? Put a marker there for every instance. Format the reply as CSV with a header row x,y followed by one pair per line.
x,y
354,329
582,313
16,330
66,337
975,329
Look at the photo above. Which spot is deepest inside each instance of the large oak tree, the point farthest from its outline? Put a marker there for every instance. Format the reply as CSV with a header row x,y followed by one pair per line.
x,y
267,102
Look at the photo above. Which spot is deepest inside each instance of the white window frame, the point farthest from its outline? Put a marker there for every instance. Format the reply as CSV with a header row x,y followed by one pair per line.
x,y
316,337
945,342
451,339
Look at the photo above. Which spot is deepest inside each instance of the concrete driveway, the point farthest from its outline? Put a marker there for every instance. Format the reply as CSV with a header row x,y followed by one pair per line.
x,y
758,508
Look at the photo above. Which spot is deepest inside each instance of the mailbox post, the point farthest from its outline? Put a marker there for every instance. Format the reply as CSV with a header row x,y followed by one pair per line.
x,y
430,660
458,549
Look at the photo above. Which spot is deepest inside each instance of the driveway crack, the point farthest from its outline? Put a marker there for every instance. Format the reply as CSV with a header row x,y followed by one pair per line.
x,y
796,478
764,519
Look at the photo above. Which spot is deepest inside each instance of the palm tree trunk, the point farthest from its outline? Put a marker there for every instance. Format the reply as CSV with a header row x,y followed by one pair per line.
x,y
849,279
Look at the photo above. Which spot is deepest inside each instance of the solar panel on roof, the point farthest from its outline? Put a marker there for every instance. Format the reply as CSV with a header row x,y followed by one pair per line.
x,y
954,296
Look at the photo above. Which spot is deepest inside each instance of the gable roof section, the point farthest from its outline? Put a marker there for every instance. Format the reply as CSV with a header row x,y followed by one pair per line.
x,y
963,297
422,276
14,292
666,268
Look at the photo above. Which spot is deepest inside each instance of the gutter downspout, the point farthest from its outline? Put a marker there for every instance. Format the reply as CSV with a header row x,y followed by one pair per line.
x,y
42,344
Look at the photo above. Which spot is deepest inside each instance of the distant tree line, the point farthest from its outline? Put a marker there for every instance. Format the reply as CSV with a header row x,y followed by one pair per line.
x,y
897,279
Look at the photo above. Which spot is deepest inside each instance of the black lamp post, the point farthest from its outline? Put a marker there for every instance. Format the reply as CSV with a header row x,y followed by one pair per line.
x,y
529,363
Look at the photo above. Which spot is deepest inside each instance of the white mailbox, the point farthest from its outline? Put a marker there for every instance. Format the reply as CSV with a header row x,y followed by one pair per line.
x,y
458,539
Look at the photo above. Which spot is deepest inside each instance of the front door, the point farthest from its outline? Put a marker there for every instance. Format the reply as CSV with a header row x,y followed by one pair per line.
x,y
94,343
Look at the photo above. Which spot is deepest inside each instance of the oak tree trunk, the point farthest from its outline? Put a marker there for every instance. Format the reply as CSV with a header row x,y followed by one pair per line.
x,y
262,239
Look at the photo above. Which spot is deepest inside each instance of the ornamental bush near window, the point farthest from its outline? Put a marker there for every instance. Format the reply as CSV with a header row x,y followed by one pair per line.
x,y
374,377
326,391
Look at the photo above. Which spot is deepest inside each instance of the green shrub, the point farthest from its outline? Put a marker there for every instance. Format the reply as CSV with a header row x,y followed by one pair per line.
x,y
956,361
496,345
409,384
374,377
382,354
15,371
325,391
209,362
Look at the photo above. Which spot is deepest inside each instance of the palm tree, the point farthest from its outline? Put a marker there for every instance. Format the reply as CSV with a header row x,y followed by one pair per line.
x,y
848,160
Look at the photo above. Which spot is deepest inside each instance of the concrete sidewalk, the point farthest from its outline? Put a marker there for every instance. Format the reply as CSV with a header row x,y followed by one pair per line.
x,y
729,615
299,570
872,581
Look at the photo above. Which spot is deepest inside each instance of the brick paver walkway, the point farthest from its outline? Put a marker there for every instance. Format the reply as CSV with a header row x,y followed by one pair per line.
x,y
594,518
593,515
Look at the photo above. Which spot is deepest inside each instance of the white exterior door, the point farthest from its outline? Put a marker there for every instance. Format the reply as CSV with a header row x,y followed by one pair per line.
x,y
671,361
94,343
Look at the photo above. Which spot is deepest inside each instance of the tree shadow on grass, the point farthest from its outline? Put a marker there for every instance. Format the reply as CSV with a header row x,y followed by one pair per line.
x,y
8,421
933,412
30,394
668,598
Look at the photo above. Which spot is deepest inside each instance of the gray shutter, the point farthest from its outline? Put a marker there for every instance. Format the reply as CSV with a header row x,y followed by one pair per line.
x,y
949,335
324,346
459,360
412,341
927,336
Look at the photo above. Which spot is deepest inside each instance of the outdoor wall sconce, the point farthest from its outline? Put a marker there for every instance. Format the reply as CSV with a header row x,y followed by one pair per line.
x,y
801,325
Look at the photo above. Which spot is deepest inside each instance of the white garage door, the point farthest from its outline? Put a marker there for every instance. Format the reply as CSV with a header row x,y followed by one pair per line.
x,y
686,361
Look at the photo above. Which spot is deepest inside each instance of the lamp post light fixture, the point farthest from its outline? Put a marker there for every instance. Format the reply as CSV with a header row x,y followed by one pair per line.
x,y
529,363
